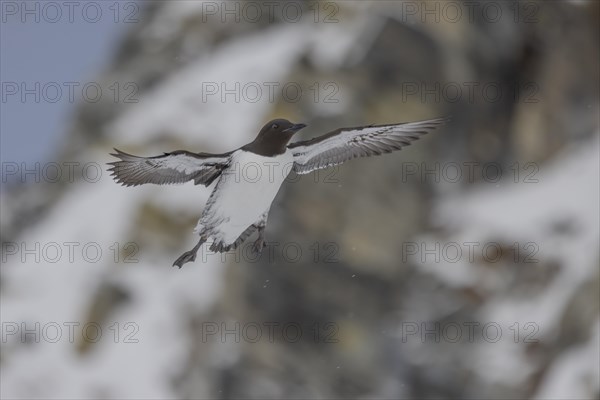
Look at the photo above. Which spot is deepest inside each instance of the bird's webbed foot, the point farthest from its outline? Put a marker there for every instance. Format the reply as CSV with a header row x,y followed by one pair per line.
x,y
190,255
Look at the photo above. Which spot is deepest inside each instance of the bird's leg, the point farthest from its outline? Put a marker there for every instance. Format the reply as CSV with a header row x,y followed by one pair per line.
x,y
190,255
259,243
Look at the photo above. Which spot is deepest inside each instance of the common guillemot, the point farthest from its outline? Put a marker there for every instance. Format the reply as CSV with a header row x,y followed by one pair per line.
x,y
240,205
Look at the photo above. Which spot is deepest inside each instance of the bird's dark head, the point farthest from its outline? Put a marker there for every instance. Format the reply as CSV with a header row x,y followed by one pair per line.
x,y
274,136
280,127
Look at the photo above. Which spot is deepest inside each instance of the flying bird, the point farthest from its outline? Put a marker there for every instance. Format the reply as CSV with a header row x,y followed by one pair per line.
x,y
239,205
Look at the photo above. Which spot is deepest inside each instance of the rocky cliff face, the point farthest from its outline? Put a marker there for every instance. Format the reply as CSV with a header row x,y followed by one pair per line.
x,y
465,266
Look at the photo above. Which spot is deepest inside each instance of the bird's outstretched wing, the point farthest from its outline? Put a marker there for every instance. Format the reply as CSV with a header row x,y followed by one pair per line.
x,y
177,167
344,144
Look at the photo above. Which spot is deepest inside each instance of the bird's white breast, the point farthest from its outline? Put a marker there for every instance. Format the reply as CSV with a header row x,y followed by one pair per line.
x,y
245,192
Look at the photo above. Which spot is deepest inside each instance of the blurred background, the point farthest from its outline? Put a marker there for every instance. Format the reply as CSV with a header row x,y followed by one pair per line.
x,y
466,266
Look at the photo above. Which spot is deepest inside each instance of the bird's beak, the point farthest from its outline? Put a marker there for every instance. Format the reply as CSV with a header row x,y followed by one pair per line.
x,y
295,128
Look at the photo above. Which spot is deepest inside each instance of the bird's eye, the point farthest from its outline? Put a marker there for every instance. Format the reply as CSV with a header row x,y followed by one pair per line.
x,y
274,126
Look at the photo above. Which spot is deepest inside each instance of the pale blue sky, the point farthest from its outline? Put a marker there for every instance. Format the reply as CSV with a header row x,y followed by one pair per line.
x,y
44,52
